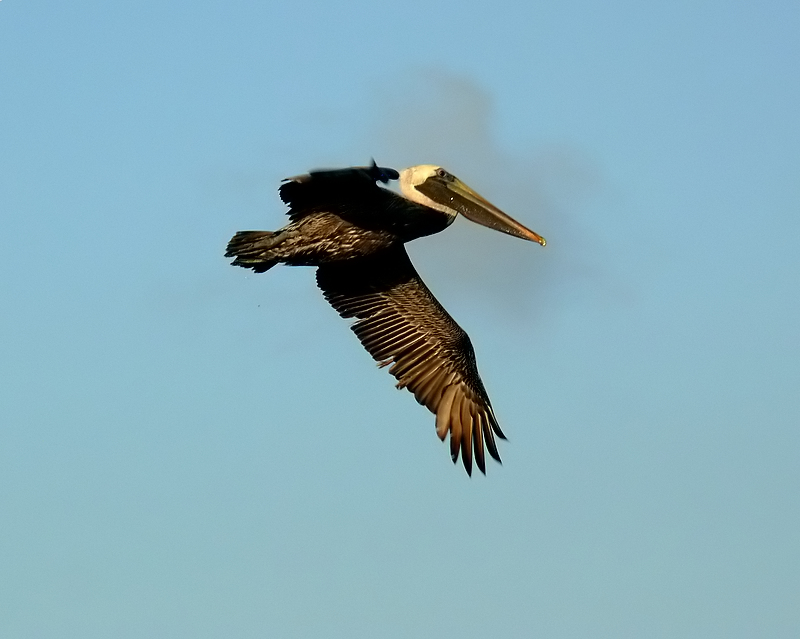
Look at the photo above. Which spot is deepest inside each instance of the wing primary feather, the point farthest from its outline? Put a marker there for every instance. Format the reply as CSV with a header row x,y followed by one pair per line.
x,y
477,441
431,393
466,436
443,411
455,428
488,437
493,421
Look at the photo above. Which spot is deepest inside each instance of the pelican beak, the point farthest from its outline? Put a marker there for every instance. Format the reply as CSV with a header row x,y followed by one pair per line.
x,y
452,192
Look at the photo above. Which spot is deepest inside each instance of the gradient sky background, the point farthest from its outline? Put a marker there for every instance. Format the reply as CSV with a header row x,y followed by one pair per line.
x,y
190,450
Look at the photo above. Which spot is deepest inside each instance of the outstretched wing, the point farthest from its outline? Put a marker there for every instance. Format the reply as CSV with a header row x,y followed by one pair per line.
x,y
400,323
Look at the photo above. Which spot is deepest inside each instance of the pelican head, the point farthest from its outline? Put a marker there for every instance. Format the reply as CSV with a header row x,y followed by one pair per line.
x,y
433,186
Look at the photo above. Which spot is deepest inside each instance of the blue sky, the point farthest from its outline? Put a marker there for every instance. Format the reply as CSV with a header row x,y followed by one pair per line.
x,y
190,450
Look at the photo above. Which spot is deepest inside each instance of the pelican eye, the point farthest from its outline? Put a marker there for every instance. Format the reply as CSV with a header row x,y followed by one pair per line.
x,y
442,173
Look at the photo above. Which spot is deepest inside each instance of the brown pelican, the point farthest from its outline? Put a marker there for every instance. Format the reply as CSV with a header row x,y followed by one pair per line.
x,y
353,230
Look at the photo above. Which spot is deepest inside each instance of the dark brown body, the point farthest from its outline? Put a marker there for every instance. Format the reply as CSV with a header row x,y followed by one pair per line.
x,y
333,220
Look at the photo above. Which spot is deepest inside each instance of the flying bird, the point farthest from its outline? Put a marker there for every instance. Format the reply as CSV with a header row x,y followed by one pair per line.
x,y
354,231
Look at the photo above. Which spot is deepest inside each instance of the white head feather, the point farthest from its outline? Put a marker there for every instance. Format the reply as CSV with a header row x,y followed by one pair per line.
x,y
413,176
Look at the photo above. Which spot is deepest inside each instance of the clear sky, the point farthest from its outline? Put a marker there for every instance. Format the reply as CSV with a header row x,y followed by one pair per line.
x,y
191,450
